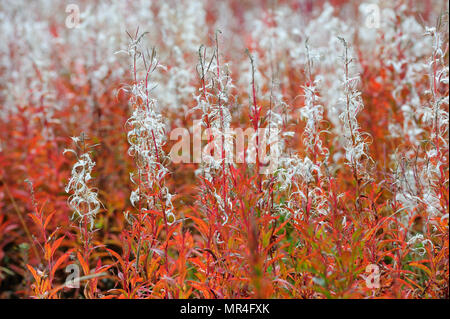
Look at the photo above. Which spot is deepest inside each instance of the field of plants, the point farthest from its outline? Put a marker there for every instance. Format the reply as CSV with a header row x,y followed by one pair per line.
x,y
224,149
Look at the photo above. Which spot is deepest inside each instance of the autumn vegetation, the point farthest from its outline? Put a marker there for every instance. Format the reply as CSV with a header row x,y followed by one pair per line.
x,y
356,207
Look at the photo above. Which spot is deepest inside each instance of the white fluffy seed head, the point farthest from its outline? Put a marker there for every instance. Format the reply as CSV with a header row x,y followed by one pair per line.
x,y
84,199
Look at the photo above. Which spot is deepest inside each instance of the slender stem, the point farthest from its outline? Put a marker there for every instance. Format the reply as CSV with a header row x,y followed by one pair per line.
x,y
21,219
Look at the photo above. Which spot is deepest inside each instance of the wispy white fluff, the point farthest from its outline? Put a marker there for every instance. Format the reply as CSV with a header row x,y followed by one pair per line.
x,y
146,136
84,199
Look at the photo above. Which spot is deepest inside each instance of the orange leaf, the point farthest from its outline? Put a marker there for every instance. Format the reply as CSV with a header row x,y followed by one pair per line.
x,y
83,263
47,220
56,244
37,278
423,267
59,261
112,252
36,220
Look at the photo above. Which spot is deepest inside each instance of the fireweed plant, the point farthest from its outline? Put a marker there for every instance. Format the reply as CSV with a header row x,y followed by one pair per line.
x,y
224,149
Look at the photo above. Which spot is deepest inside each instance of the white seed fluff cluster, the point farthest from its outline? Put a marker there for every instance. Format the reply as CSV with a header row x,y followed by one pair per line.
x,y
84,199
214,105
355,143
146,136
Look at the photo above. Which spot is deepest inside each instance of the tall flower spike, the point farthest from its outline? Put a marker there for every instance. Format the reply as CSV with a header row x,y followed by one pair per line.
x,y
312,112
146,135
355,141
213,100
84,199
